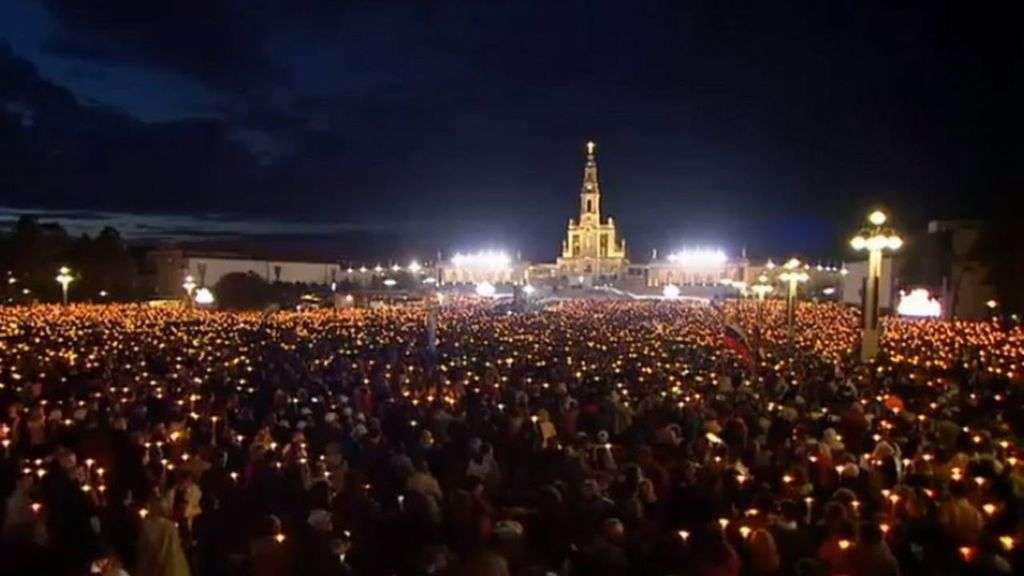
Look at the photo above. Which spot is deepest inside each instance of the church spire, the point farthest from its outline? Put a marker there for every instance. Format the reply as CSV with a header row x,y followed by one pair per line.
x,y
590,185
590,193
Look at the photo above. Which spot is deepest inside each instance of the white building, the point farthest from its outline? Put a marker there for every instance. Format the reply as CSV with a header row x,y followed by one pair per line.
x,y
478,267
857,274
172,266
698,267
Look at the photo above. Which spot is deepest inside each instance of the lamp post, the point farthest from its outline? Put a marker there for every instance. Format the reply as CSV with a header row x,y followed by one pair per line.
x,y
793,275
761,288
64,278
190,287
992,305
875,238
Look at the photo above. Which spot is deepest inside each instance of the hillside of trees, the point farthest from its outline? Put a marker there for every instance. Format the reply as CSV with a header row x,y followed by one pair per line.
x,y
32,254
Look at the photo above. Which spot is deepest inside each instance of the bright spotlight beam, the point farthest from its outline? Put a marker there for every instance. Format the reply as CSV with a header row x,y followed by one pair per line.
x,y
699,257
488,259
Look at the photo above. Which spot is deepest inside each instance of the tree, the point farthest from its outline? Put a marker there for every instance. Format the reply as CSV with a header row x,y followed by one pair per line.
x,y
104,264
243,291
37,251
1003,251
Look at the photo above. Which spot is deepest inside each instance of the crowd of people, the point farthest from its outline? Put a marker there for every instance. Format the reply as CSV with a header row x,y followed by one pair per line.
x,y
591,437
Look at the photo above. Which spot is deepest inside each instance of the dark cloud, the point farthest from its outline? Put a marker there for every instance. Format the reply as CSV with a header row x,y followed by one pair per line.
x,y
222,42
76,156
726,121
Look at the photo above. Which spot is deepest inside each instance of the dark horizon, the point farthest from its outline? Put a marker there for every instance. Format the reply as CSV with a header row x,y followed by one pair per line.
x,y
374,131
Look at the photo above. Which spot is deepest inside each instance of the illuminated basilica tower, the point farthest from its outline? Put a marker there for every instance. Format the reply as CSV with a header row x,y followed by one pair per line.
x,y
592,248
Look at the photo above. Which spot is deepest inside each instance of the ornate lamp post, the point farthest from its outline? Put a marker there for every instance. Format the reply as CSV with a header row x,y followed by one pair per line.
x,y
762,288
993,307
190,288
64,278
875,238
793,275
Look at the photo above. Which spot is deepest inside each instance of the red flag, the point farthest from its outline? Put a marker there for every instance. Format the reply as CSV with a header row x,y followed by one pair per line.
x,y
736,340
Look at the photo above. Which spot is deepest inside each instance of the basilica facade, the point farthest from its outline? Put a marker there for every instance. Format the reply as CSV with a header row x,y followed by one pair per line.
x,y
593,254
592,249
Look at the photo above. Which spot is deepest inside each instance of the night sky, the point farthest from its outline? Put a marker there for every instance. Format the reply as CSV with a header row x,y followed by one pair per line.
x,y
366,129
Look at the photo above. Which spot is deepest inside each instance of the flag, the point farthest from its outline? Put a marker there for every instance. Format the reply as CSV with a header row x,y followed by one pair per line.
x,y
735,339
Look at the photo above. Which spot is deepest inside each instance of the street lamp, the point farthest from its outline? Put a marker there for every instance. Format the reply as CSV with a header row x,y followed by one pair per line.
x,y
793,275
992,305
875,238
762,288
189,285
64,278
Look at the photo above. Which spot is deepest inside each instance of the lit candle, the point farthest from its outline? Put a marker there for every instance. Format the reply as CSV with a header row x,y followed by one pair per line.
x,y
213,431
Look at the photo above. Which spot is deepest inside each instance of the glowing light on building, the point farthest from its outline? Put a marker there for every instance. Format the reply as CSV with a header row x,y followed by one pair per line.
x,y
488,259
204,296
485,289
528,289
699,257
670,291
918,303
389,282
414,267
